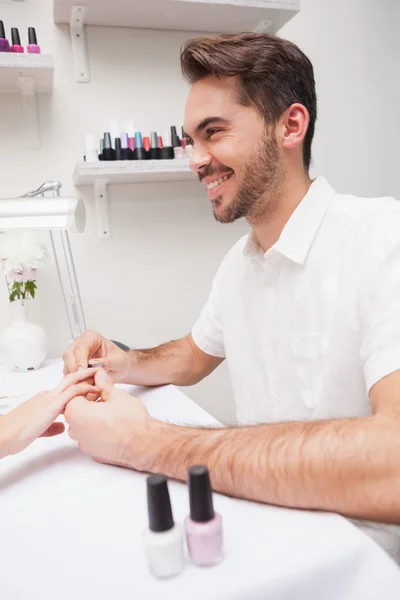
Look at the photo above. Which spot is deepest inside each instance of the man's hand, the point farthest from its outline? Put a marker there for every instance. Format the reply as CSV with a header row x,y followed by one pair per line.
x,y
92,348
114,431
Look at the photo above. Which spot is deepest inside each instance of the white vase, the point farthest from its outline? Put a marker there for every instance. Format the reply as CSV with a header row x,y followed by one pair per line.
x,y
23,344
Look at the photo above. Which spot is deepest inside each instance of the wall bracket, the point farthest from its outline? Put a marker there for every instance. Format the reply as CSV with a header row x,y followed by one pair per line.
x,y
102,208
78,41
30,111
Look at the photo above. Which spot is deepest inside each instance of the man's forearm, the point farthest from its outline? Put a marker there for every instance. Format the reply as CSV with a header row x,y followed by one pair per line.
x,y
172,362
349,466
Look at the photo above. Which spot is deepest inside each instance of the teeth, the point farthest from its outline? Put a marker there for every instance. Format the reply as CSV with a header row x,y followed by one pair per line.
x,y
216,182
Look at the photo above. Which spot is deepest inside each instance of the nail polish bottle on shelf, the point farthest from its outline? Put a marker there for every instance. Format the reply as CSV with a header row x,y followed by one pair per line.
x,y
16,42
189,150
167,152
4,43
126,152
118,150
146,146
176,142
108,150
179,152
139,152
203,526
163,539
155,150
91,154
32,47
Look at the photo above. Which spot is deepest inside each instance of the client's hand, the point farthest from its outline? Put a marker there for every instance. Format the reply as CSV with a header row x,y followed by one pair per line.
x,y
36,416
114,431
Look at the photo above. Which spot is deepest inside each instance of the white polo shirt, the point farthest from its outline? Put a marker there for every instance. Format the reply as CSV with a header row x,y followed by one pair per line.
x,y
308,327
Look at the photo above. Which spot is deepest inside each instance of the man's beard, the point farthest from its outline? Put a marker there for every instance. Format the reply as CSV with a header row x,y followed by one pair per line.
x,y
259,191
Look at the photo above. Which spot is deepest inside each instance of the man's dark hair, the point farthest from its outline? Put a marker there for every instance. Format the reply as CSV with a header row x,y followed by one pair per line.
x,y
273,73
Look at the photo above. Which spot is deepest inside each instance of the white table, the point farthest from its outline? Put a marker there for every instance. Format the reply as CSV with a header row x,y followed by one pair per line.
x,y
71,529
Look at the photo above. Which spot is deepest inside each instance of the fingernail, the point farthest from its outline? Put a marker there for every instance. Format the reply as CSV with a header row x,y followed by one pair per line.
x,y
80,368
95,364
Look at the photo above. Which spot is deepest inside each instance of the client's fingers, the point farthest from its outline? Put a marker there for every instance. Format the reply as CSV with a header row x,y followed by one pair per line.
x,y
80,389
73,378
54,429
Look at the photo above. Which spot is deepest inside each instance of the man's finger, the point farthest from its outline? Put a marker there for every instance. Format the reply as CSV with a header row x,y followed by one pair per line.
x,y
105,383
54,429
76,408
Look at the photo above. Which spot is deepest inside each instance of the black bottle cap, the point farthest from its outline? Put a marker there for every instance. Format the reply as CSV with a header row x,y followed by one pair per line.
x,y
155,153
32,35
159,504
174,137
125,154
15,37
2,30
200,494
167,153
139,154
109,154
117,146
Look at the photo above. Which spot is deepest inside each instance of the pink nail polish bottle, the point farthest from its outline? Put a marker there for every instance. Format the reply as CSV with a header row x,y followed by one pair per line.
x,y
203,526
16,42
32,47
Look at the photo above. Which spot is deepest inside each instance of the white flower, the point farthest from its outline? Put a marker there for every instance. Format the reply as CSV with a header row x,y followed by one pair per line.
x,y
21,254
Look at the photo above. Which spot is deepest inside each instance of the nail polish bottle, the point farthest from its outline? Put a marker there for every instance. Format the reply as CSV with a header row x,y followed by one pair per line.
x,y
203,525
160,142
163,540
108,150
91,154
179,152
139,152
155,151
117,146
131,145
126,152
131,138
189,150
175,138
4,44
16,42
167,152
33,47
146,145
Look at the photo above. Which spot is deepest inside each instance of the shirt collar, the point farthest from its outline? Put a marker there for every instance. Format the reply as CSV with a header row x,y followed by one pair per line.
x,y
299,232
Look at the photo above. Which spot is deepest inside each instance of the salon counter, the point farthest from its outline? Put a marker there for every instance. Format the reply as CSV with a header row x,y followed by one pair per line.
x,y
72,528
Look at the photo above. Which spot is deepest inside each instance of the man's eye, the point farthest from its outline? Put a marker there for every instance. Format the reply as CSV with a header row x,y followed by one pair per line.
x,y
211,132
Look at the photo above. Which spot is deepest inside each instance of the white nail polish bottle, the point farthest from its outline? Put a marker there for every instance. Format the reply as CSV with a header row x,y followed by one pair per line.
x,y
163,540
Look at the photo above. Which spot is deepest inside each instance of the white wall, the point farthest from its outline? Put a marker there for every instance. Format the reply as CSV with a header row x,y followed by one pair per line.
x,y
148,283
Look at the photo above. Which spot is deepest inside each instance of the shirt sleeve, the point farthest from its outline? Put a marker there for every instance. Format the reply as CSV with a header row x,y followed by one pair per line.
x,y
380,310
207,332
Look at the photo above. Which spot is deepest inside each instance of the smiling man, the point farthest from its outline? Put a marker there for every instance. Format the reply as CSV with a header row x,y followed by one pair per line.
x,y
305,309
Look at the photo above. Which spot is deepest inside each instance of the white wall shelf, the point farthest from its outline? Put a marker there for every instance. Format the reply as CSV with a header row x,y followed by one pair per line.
x,y
213,16
27,74
101,174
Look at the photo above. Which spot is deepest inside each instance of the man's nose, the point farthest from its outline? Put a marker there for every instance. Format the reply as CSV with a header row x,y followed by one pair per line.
x,y
200,158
